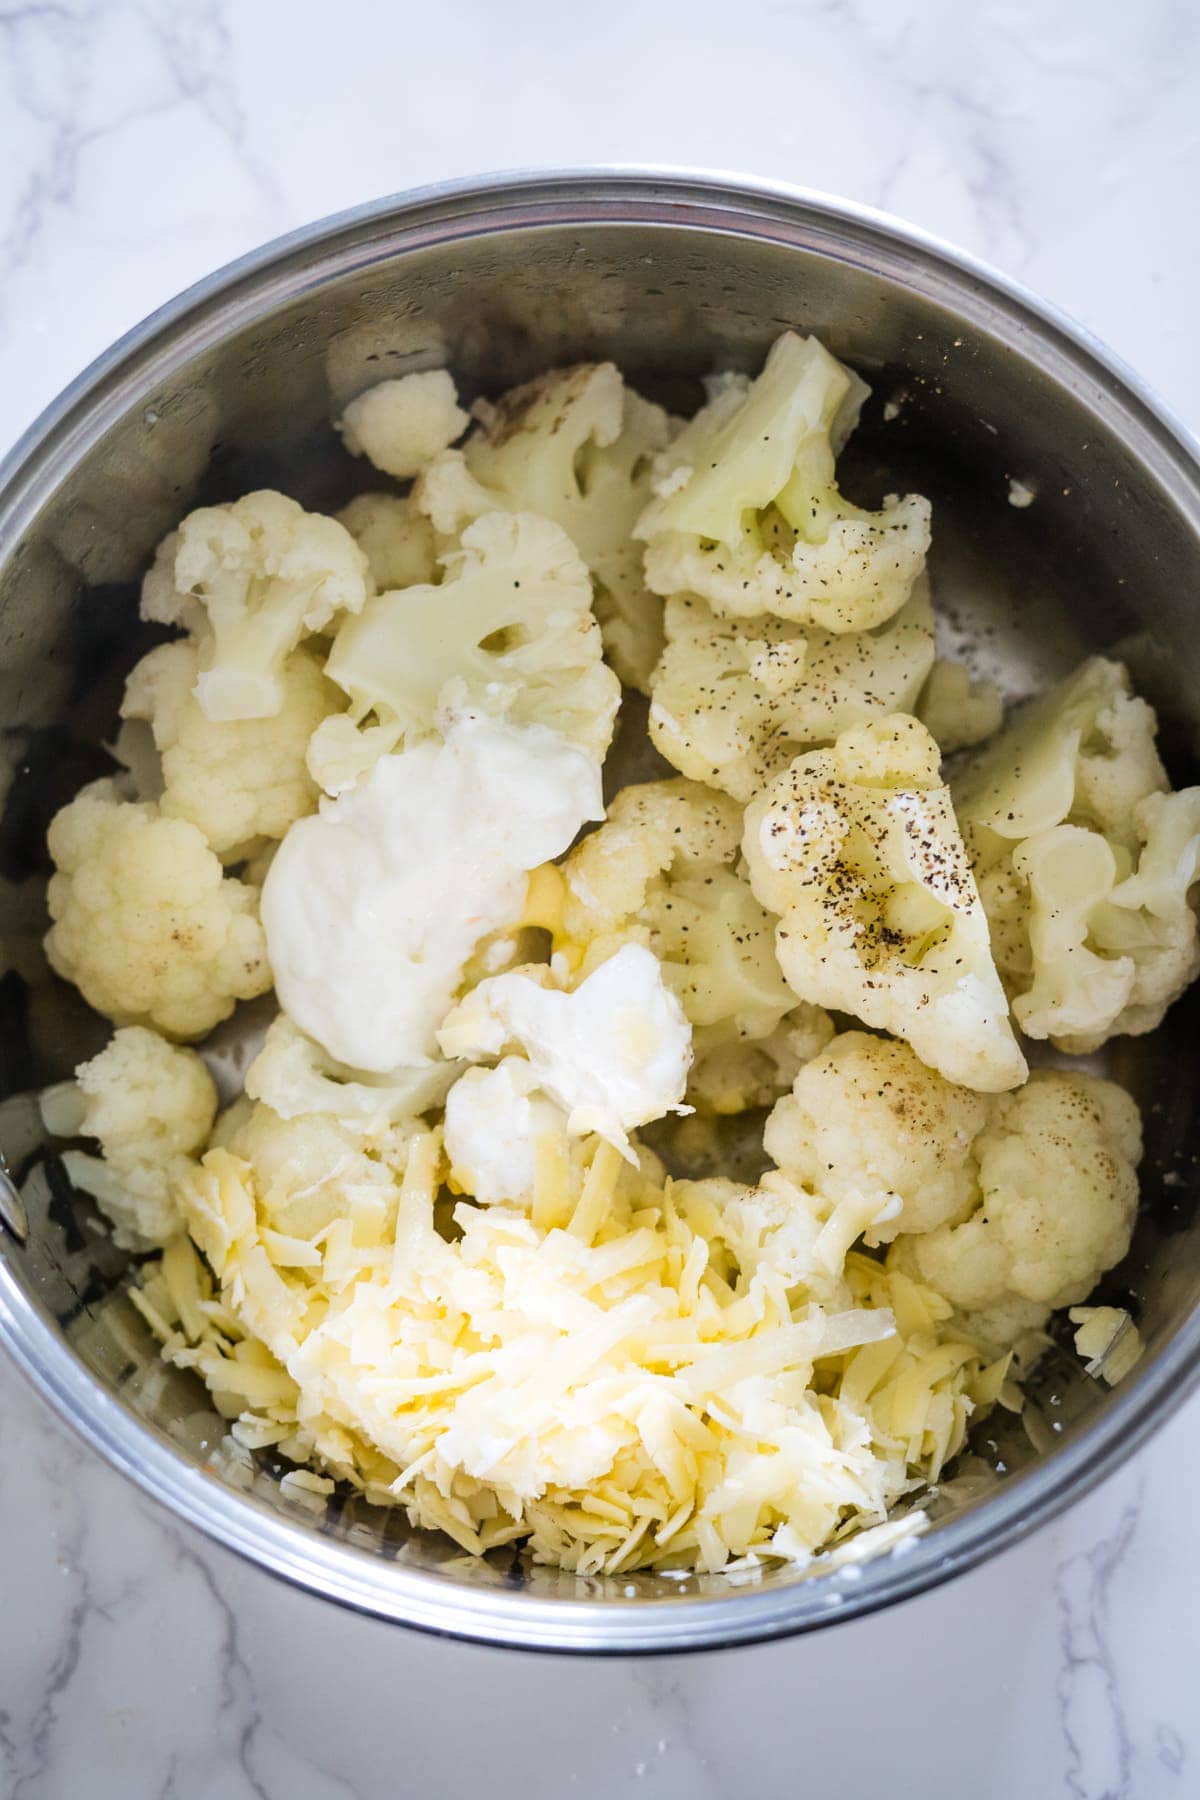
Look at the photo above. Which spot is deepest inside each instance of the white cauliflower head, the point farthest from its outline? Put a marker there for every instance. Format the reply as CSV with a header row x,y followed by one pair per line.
x,y
858,850
314,1168
663,871
1085,861
249,581
1058,1190
748,514
509,631
236,780
494,1121
146,922
293,1076
794,1236
402,424
613,1052
151,1105
395,538
867,1116
958,708
574,446
734,700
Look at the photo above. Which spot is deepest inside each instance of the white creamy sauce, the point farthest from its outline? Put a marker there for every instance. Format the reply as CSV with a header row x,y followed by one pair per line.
x,y
373,906
614,1054
494,1118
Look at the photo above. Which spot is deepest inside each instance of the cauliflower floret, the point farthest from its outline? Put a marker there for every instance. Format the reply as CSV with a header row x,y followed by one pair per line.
x,y
857,849
959,708
402,424
313,1169
146,923
573,446
793,1235
662,871
239,780
293,1075
731,1077
151,1105
1085,862
509,630
1082,752
613,1052
249,581
395,538
868,1117
1058,1192
733,701
494,1120
748,514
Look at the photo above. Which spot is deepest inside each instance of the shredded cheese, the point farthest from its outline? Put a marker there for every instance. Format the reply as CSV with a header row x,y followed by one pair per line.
x,y
593,1375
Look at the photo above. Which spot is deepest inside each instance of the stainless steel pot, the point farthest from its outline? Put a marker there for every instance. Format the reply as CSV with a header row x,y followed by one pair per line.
x,y
232,386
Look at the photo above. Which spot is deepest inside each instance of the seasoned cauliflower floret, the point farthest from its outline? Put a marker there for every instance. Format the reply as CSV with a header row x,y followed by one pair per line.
x,y
748,514
395,538
401,424
734,700
249,581
1085,862
151,1106
1058,1190
146,922
663,871
573,446
235,780
867,1116
509,630
857,849
960,709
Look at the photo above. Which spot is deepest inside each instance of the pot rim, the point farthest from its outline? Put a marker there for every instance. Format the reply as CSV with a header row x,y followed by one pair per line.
x,y
67,430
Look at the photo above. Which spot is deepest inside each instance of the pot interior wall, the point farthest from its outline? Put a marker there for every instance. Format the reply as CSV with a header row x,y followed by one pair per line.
x,y
1102,559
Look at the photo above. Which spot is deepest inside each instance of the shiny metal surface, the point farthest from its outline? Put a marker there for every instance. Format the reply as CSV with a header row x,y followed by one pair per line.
x,y
232,386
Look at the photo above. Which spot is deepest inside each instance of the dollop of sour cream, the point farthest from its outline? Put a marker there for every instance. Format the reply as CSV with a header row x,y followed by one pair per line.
x,y
614,1053
373,906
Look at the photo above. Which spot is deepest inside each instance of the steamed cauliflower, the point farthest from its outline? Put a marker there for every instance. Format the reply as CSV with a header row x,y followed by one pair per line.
x,y
495,1120
1085,862
509,631
867,1116
309,1167
249,581
151,1106
663,871
958,708
613,1052
402,424
1058,1190
146,922
573,446
748,514
293,1076
734,700
395,538
423,1251
857,849
237,781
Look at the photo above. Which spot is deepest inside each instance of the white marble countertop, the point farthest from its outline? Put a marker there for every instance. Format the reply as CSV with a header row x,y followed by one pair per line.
x,y
143,142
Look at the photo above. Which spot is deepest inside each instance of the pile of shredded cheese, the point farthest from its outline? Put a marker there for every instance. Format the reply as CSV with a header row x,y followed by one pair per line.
x,y
594,1376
